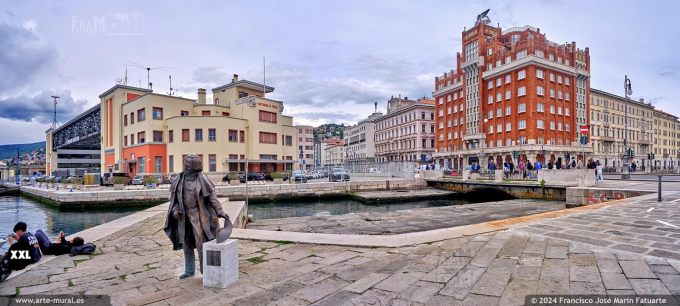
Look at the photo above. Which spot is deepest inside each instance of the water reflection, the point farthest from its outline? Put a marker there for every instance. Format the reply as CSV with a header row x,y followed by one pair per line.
x,y
287,209
39,216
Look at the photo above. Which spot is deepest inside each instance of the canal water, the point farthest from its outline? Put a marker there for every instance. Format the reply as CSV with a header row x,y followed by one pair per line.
x,y
287,209
40,216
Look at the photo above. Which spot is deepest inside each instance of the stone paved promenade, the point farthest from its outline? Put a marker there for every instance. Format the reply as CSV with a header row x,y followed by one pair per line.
x,y
620,248
409,220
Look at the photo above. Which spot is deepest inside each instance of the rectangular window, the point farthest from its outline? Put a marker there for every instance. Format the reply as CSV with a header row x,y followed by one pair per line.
x,y
212,162
521,74
552,109
266,116
225,114
141,115
125,140
205,113
507,79
540,90
141,164
552,77
132,118
185,135
157,113
566,111
499,97
157,136
242,136
540,107
490,114
499,128
521,125
198,135
559,79
499,112
508,126
232,136
539,74
132,139
171,163
184,113
566,127
552,93
508,94
171,136
490,99
559,126
552,125
521,54
566,81
125,120
508,59
566,96
268,138
559,110
508,110
521,108
540,124
499,81
141,137
489,84
289,141
522,91
158,164
490,129
212,134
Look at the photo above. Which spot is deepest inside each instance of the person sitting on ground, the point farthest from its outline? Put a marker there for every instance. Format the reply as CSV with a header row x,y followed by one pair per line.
x,y
23,251
60,245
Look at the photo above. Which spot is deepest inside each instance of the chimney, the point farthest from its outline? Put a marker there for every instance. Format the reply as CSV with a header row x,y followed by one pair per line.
x,y
642,100
235,78
201,96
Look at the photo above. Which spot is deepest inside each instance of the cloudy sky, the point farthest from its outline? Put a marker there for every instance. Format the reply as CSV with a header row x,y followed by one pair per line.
x,y
328,60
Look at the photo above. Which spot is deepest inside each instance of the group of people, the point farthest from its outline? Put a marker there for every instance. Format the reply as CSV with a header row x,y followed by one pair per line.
x,y
27,248
595,164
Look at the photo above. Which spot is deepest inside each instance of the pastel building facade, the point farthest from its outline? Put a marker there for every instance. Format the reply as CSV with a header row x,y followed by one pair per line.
x,y
144,132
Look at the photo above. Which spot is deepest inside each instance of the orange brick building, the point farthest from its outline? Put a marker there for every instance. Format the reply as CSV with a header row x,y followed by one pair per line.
x,y
513,95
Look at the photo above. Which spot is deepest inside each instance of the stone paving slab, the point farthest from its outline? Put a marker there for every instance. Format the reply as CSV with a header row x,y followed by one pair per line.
x,y
136,266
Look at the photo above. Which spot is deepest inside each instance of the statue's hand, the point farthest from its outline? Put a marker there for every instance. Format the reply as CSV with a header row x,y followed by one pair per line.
x,y
222,214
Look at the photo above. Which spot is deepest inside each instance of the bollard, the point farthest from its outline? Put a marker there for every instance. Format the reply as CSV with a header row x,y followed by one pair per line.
x,y
658,199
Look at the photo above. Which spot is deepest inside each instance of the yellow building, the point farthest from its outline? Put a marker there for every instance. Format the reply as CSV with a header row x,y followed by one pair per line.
x,y
666,148
144,132
608,126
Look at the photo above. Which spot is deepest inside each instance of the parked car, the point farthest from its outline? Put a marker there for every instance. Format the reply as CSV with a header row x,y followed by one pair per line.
x,y
108,178
241,178
338,175
299,175
284,177
162,179
255,176
138,180
373,170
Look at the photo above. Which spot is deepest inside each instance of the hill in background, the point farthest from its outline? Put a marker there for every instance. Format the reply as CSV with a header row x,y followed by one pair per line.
x,y
10,150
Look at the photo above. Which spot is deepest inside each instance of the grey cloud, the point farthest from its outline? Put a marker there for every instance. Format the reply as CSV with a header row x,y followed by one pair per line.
x,y
666,72
40,107
23,55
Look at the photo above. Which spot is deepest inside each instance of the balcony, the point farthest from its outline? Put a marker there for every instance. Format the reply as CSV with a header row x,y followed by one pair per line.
x,y
606,138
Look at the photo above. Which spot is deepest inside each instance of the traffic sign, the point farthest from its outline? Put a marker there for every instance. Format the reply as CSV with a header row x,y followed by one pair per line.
x,y
584,129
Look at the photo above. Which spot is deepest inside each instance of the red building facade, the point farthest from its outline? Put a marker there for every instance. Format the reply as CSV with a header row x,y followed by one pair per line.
x,y
514,95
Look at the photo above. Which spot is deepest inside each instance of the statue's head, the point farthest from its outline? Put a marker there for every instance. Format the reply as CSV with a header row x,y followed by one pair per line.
x,y
193,163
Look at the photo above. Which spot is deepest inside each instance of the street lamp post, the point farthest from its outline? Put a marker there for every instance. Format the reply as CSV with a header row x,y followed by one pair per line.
x,y
627,91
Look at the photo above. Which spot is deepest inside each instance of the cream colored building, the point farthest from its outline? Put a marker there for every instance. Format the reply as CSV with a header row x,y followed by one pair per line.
x,y
144,132
335,154
666,147
360,140
406,132
305,137
608,125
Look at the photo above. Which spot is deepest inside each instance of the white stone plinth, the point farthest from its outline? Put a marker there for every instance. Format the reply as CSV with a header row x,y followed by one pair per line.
x,y
498,176
466,175
220,263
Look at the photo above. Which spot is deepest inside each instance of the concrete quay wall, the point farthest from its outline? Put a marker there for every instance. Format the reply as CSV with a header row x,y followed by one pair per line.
x,y
579,196
520,191
139,197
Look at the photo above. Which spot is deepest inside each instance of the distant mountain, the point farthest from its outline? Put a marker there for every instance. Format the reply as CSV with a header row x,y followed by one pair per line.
x,y
10,150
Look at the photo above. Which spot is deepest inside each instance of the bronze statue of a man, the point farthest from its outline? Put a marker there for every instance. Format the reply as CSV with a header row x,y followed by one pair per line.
x,y
193,213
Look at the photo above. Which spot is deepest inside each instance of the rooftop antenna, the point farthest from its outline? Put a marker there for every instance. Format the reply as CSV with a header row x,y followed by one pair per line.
x,y
170,77
55,124
264,77
376,106
148,72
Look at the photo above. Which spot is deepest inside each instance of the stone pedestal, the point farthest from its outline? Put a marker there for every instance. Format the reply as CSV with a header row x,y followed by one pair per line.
x,y
220,263
498,176
466,175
